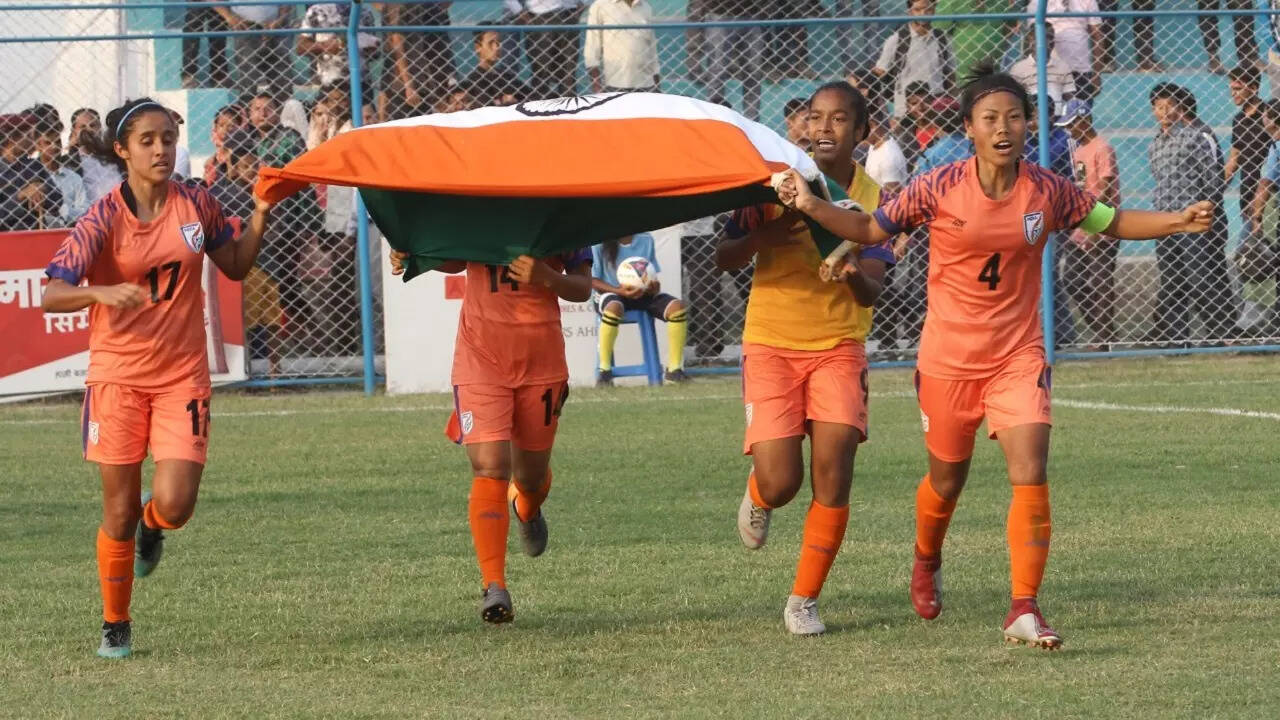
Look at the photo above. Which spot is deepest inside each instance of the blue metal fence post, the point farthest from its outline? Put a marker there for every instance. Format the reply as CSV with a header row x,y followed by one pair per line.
x,y
362,218
1042,114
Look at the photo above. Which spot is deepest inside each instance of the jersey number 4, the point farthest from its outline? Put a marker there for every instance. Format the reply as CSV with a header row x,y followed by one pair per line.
x,y
991,272
153,278
552,405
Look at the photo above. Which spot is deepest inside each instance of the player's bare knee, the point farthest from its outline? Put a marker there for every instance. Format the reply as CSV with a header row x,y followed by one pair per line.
x,y
1028,472
779,487
173,512
530,480
614,308
120,517
674,308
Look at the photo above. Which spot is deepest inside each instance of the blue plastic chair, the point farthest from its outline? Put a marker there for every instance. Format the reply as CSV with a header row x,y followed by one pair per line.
x,y
651,367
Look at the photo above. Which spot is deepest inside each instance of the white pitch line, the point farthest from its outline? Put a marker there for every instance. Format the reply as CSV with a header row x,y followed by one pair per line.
x,y
1167,409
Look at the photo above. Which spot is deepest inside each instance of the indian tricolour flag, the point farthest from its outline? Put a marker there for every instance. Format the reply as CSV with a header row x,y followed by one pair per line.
x,y
544,177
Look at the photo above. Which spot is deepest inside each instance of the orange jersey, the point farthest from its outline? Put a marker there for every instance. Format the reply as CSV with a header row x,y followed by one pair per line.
x,y
509,334
162,342
790,307
984,261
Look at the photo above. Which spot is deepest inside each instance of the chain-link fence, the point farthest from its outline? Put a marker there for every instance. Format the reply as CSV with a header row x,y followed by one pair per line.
x,y
1172,111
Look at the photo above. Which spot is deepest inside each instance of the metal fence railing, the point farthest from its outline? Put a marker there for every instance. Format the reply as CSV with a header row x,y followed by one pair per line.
x,y
269,80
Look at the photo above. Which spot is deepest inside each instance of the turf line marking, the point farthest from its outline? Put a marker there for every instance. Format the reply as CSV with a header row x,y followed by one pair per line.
x,y
1167,409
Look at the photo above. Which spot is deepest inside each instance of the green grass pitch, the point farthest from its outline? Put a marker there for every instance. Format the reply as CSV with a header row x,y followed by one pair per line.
x,y
328,570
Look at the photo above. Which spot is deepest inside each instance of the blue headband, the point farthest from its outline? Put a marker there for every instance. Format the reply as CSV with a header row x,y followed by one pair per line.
x,y
132,110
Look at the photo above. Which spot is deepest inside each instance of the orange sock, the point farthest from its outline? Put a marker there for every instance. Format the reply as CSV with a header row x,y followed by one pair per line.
x,y
487,508
115,576
1029,531
933,515
154,520
823,532
527,504
755,492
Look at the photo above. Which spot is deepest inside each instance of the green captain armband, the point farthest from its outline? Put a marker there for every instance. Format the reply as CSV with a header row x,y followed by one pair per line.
x,y
1098,219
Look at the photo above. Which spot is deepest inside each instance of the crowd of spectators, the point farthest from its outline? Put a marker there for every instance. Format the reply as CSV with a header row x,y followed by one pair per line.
x,y
910,74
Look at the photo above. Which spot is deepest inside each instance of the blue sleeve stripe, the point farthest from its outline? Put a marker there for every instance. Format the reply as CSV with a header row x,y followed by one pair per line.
x,y
885,223
64,274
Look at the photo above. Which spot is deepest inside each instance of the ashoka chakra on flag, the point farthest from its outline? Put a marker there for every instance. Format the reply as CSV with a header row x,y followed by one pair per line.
x,y
544,177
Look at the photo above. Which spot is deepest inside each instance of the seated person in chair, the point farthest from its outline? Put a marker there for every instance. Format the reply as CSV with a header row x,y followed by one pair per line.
x,y
613,299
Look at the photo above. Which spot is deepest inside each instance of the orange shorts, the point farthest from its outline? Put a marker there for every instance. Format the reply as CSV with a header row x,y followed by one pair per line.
x,y
784,390
952,410
527,415
118,423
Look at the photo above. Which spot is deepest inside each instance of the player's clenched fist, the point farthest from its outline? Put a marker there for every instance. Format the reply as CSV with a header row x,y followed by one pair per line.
x,y
1197,218
397,261
529,271
124,295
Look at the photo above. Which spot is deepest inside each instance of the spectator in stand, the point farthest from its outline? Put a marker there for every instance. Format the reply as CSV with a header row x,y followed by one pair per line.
x,y
951,144
200,21
915,53
795,114
916,130
1267,184
1186,162
1246,43
1273,47
1059,162
100,178
421,63
28,198
1089,259
1060,79
1249,139
262,62
228,119
786,52
886,163
263,307
488,82
329,49
75,200
621,60
453,99
1144,37
974,42
330,115
553,55
276,144
1078,41
734,52
1269,178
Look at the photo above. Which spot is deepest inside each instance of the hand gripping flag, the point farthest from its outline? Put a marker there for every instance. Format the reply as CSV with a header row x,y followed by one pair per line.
x,y
545,177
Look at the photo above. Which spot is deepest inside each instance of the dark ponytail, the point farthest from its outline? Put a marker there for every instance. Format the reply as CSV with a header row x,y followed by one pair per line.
x,y
103,146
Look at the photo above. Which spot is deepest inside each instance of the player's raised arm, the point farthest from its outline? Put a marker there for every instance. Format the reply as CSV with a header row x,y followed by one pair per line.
x,y
1147,224
235,259
852,225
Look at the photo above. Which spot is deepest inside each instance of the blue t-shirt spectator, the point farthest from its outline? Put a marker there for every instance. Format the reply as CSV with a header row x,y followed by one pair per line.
x,y
944,150
1059,151
641,245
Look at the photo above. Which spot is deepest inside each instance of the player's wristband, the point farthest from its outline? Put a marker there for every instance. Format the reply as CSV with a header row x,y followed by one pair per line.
x,y
1098,219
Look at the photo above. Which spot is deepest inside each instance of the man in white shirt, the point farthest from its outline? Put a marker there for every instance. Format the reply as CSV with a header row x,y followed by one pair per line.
x,y
1078,40
262,62
917,53
1061,81
621,60
886,164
